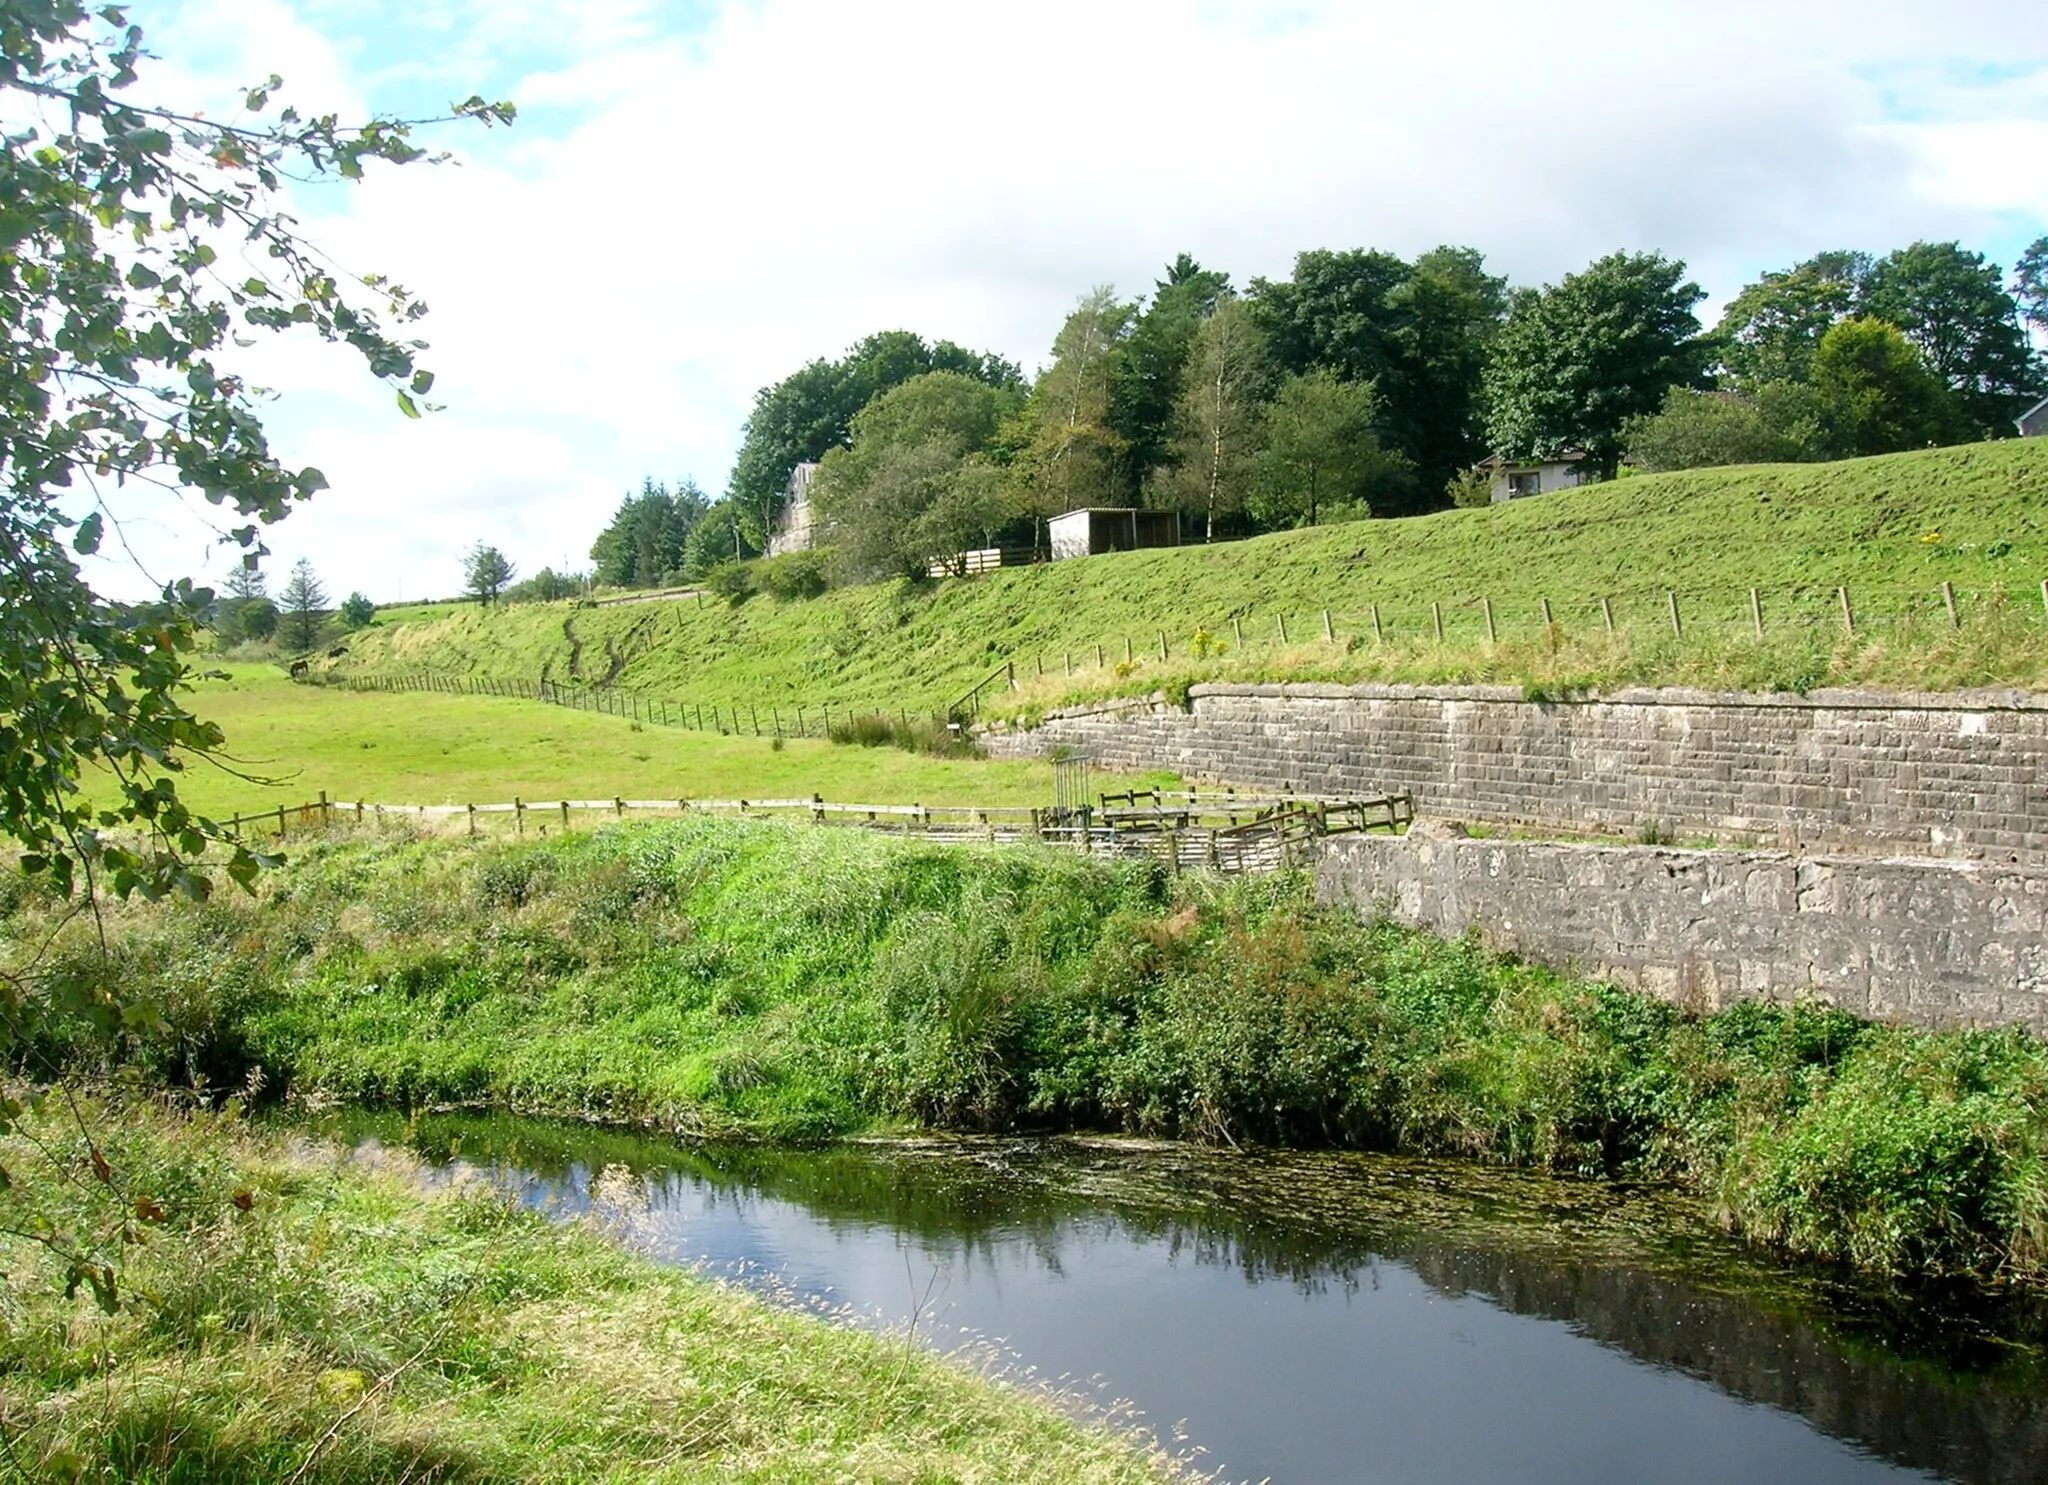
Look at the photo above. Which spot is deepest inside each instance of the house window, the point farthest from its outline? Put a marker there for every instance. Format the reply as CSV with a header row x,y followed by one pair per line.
x,y
1525,484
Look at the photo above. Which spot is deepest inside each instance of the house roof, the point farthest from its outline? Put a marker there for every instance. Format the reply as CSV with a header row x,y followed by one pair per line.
x,y
2030,414
1563,456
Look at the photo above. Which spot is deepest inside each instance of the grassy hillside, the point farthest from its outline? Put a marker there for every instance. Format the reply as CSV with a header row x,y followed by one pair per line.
x,y
294,741
1890,529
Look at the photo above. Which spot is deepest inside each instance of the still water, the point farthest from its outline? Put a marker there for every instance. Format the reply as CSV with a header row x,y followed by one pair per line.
x,y
1312,1318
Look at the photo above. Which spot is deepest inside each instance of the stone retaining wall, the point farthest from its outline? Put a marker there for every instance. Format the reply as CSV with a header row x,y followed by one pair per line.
x,y
1922,942
1962,775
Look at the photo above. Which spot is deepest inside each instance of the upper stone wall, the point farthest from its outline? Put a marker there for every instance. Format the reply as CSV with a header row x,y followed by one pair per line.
x,y
1948,775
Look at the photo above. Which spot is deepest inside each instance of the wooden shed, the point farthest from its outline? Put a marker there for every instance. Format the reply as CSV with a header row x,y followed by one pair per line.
x,y
1082,533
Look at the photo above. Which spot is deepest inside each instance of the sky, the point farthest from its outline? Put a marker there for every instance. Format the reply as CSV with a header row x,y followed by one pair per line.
x,y
699,197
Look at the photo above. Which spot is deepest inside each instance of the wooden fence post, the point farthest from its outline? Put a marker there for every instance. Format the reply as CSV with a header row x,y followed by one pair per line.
x,y
280,822
1070,662
618,807
326,815
1948,597
1607,614
1671,602
1848,613
2044,597
565,816
1162,644
1280,620
775,715
1378,635
1486,607
1756,612
1548,622
1436,617
472,819
1127,649
1329,632
1237,625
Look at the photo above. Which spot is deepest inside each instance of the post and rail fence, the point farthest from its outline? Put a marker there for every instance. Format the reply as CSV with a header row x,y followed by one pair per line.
x,y
1220,829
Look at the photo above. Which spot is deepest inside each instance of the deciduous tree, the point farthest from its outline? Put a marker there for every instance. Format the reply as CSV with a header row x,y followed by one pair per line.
x,y
1875,392
1952,304
810,411
1771,329
357,611
1073,457
1576,360
1320,453
142,242
1217,415
888,500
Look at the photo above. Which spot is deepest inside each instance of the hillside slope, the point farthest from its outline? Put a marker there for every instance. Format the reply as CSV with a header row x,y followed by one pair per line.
x,y
1891,530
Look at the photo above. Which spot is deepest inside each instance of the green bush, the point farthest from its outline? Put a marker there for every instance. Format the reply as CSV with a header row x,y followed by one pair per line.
x,y
793,575
731,581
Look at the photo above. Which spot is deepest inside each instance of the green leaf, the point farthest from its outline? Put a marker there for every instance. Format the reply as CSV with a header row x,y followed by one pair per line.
x,y
406,405
423,382
88,538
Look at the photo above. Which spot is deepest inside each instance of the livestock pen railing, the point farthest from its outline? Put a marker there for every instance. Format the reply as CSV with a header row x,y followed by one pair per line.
x,y
1221,831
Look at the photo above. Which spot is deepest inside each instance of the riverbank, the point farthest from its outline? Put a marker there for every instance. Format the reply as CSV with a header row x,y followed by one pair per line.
x,y
776,982
283,1315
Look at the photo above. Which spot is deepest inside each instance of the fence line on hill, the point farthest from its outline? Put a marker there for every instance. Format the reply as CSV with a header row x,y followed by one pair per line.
x,y
1827,614
1220,829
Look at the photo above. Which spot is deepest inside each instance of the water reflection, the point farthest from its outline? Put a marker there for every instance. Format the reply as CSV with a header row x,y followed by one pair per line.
x,y
1336,1317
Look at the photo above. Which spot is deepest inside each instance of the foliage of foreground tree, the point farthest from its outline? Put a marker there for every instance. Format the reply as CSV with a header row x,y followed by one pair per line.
x,y
139,246
120,220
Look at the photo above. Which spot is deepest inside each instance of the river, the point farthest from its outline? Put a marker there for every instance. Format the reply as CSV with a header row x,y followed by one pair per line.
x,y
1329,1317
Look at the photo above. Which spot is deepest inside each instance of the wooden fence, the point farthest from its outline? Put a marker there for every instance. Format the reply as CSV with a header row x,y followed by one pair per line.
x,y
1218,829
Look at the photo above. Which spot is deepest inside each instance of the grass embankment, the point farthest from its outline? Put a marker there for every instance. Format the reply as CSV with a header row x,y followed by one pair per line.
x,y
425,748
1891,530
289,1318
755,979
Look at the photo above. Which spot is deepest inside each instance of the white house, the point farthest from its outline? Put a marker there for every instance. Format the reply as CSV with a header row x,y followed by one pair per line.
x,y
1513,479
2033,423
793,528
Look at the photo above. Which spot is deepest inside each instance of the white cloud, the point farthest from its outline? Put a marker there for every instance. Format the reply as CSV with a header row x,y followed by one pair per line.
x,y
704,211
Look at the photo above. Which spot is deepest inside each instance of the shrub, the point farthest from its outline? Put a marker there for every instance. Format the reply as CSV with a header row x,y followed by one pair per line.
x,y
792,576
731,581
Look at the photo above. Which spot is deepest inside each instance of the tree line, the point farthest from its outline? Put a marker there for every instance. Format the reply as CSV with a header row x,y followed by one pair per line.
x,y
1362,384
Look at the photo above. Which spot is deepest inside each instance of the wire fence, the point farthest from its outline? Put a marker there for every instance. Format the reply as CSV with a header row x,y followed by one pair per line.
x,y
1817,614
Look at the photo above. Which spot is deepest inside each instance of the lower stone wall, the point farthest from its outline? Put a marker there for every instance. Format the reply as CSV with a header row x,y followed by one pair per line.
x,y
1925,943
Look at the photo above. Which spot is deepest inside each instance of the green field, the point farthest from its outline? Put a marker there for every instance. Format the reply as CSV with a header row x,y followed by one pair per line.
x,y
1891,530
293,741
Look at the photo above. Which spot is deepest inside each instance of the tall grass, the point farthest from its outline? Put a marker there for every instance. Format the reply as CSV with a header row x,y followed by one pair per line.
x,y
285,1317
788,982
